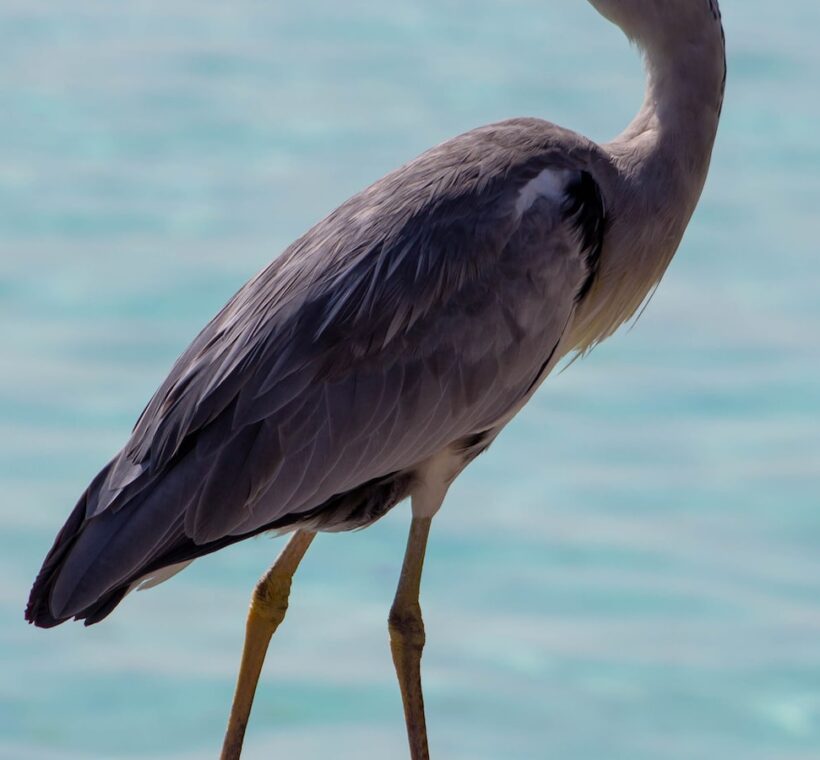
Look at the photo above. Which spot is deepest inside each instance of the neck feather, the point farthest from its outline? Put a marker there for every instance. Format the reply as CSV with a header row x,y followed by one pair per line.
x,y
660,161
677,123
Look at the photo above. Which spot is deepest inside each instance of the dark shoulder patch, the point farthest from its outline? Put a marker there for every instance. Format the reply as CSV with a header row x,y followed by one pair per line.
x,y
584,209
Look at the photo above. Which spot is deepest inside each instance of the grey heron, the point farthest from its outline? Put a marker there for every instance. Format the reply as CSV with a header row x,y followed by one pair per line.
x,y
386,348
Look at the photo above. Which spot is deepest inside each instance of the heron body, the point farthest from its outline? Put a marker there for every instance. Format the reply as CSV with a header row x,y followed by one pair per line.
x,y
388,346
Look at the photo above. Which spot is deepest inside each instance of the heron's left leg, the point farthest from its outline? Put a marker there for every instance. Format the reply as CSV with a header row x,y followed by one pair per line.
x,y
407,637
268,606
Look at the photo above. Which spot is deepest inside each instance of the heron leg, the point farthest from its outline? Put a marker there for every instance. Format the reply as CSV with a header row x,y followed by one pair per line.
x,y
269,604
407,637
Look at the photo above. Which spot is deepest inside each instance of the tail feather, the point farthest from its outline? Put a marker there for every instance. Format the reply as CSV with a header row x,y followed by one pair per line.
x,y
95,560
99,553
38,609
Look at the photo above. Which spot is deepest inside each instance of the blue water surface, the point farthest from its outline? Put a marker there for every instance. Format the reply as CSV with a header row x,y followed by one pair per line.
x,y
632,572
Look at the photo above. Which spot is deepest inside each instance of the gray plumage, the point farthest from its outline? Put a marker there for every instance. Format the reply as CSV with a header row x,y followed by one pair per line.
x,y
380,353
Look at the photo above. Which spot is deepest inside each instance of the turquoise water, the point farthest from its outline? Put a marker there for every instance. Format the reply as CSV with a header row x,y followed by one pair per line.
x,y
632,572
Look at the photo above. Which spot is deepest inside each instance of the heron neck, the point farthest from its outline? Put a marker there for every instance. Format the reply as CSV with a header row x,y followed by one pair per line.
x,y
660,164
669,142
668,145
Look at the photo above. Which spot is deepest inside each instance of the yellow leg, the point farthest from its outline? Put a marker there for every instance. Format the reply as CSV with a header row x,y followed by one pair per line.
x,y
268,606
407,637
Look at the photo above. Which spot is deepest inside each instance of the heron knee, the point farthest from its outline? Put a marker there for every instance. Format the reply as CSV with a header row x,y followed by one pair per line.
x,y
269,602
406,627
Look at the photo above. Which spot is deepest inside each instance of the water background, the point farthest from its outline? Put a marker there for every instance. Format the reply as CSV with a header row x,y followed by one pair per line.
x,y
633,570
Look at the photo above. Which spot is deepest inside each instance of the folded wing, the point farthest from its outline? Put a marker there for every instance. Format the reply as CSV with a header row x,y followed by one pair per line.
x,y
421,311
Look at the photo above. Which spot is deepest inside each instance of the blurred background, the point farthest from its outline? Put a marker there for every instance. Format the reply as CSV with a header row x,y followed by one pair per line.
x,y
632,571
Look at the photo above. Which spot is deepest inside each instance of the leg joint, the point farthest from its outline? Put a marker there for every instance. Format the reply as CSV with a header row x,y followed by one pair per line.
x,y
406,626
270,598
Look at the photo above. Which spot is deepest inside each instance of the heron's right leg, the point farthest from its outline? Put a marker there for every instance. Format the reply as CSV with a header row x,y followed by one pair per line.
x,y
407,637
268,606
